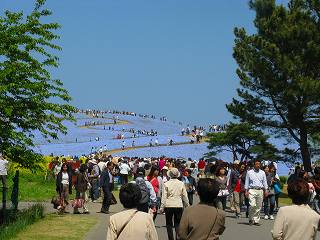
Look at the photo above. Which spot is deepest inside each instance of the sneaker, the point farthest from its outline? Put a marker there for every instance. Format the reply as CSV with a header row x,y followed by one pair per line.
x,y
266,217
257,224
250,222
271,217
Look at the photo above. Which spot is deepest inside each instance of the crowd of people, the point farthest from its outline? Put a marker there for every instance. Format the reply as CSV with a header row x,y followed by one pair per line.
x,y
152,186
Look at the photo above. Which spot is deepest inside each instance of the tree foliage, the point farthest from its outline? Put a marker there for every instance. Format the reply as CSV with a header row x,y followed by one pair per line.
x,y
29,96
243,141
279,71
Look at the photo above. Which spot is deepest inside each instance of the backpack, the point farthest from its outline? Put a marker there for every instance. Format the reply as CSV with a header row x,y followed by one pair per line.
x,y
144,190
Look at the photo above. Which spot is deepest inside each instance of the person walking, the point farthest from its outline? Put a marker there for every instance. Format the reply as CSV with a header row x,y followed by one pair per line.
x,y
193,224
221,200
289,224
93,175
148,196
106,184
3,171
124,172
64,187
131,224
190,184
81,187
235,188
269,201
256,187
157,184
174,198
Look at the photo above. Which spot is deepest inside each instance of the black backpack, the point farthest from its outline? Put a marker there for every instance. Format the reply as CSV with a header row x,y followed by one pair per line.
x,y
144,190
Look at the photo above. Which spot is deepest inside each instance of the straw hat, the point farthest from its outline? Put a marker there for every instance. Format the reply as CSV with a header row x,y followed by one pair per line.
x,y
174,173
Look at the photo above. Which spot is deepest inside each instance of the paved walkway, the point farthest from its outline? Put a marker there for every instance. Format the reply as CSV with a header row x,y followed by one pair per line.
x,y
235,228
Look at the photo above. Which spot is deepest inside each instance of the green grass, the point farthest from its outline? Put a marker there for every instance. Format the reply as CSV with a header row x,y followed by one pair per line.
x,y
283,198
15,222
53,227
33,188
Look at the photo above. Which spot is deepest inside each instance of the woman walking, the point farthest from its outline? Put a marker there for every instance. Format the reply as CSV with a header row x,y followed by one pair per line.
x,y
221,178
174,198
157,184
81,186
269,201
297,221
64,187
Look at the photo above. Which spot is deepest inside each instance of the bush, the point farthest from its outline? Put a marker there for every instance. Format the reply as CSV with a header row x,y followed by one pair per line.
x,y
15,221
283,179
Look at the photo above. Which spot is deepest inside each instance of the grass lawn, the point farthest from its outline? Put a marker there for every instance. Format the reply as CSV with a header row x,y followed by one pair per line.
x,y
53,226
283,198
33,188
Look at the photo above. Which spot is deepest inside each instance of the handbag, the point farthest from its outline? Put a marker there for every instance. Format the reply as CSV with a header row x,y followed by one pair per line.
x,y
223,193
78,203
277,188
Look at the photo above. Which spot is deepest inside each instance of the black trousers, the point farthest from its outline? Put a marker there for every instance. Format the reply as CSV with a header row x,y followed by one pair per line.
x,y
190,198
124,178
174,214
106,199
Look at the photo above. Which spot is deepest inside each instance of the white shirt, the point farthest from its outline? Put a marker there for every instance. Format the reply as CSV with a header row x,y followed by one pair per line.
x,y
256,179
65,178
124,168
102,165
3,167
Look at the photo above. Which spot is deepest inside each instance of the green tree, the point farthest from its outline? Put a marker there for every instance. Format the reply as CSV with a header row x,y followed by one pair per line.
x,y
243,141
30,99
279,71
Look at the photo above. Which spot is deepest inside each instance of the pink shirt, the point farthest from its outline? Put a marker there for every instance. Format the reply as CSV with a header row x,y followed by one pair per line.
x,y
162,163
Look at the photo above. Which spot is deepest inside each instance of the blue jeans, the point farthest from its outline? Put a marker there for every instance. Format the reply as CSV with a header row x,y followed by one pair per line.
x,y
95,194
268,205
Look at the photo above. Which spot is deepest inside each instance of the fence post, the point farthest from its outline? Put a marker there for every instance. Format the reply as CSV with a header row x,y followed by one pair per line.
x,y
15,191
4,198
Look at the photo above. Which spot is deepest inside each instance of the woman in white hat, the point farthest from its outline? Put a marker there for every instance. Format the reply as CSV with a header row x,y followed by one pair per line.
x,y
174,198
164,174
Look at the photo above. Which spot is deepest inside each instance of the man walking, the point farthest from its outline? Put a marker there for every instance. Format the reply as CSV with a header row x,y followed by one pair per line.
x,y
255,189
3,171
106,184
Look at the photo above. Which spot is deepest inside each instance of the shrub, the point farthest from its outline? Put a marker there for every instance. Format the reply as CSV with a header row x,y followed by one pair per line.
x,y
15,221
283,179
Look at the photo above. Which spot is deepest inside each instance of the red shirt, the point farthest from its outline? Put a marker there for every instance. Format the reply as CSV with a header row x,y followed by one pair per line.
x,y
155,184
238,186
201,164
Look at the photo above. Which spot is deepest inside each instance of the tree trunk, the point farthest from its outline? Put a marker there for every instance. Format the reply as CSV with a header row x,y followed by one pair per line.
x,y
305,154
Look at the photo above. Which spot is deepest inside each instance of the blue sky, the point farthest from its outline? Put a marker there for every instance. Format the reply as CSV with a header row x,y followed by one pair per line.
x,y
168,57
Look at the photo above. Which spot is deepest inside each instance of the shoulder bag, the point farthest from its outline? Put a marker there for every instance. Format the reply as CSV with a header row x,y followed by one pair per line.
x,y
126,223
